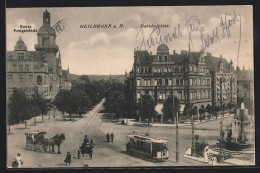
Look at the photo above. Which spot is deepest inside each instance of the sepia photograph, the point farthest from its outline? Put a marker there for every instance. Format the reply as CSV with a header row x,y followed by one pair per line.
x,y
139,86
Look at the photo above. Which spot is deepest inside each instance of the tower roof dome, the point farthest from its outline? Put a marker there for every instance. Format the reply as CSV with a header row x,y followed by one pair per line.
x,y
163,48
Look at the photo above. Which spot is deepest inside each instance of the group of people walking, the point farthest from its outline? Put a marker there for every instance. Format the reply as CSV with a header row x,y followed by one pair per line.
x,y
110,136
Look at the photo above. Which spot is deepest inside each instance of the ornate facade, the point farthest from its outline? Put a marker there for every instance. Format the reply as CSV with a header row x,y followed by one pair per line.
x,y
37,69
193,78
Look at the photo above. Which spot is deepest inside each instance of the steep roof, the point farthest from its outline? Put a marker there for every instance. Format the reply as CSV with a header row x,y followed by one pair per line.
x,y
214,62
245,75
144,58
65,75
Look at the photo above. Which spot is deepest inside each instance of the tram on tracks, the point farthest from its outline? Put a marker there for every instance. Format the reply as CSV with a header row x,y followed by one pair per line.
x,y
148,147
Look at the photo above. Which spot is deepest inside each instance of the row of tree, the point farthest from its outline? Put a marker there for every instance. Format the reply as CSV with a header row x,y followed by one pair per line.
x,y
20,107
117,102
72,101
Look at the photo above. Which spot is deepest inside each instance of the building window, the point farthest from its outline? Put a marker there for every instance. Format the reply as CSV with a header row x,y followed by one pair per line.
x,y
159,82
26,67
39,80
20,55
14,67
20,78
155,82
198,94
160,96
45,41
138,70
170,69
166,82
181,82
138,96
217,87
234,86
20,67
159,69
44,79
165,58
218,97
191,96
191,68
149,82
170,82
160,58
208,82
191,82
179,95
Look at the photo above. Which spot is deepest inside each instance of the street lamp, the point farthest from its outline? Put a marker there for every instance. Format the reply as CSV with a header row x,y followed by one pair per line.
x,y
192,130
221,139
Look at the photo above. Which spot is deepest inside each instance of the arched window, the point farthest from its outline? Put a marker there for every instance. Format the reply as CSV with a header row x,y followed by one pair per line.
x,y
39,80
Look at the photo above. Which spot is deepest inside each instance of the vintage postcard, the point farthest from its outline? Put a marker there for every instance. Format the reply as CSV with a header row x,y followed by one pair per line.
x,y
130,86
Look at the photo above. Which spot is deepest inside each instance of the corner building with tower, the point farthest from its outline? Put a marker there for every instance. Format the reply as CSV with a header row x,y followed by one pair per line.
x,y
41,68
193,78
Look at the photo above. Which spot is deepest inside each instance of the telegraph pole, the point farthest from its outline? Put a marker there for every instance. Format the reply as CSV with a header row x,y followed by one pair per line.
x,y
177,138
177,128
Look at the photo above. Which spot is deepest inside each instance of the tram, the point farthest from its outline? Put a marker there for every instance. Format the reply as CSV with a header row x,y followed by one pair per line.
x,y
147,147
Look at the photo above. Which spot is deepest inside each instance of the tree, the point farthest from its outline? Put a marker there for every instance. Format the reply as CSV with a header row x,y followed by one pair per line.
x,y
202,112
18,107
209,109
168,110
115,103
146,108
39,103
63,101
84,78
80,101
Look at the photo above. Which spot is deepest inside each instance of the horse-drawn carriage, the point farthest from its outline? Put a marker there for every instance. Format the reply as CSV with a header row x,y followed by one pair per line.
x,y
86,148
35,141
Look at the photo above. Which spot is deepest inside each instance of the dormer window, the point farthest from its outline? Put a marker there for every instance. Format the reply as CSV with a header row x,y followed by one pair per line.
x,y
160,58
221,67
20,55
165,58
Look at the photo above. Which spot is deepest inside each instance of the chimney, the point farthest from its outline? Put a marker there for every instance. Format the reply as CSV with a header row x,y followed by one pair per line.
x,y
243,68
174,52
151,53
220,55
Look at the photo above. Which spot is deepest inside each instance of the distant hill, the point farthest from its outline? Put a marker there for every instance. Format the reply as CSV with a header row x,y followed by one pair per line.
x,y
121,78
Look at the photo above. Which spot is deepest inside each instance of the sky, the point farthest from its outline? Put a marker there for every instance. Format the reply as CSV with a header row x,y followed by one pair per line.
x,y
103,51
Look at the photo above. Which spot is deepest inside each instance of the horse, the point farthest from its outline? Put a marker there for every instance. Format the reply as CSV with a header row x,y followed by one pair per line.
x,y
56,140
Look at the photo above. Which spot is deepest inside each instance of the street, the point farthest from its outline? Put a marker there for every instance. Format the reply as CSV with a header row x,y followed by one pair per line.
x,y
105,154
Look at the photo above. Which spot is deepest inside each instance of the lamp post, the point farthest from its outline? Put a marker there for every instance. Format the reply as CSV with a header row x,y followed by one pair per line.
x,y
221,139
192,131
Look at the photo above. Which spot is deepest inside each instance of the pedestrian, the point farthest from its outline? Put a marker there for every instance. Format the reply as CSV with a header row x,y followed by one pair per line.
x,y
214,160
79,152
86,140
19,160
206,155
108,137
68,159
112,137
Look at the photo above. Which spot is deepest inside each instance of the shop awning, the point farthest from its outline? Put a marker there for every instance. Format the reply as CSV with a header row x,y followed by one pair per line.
x,y
158,108
182,106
